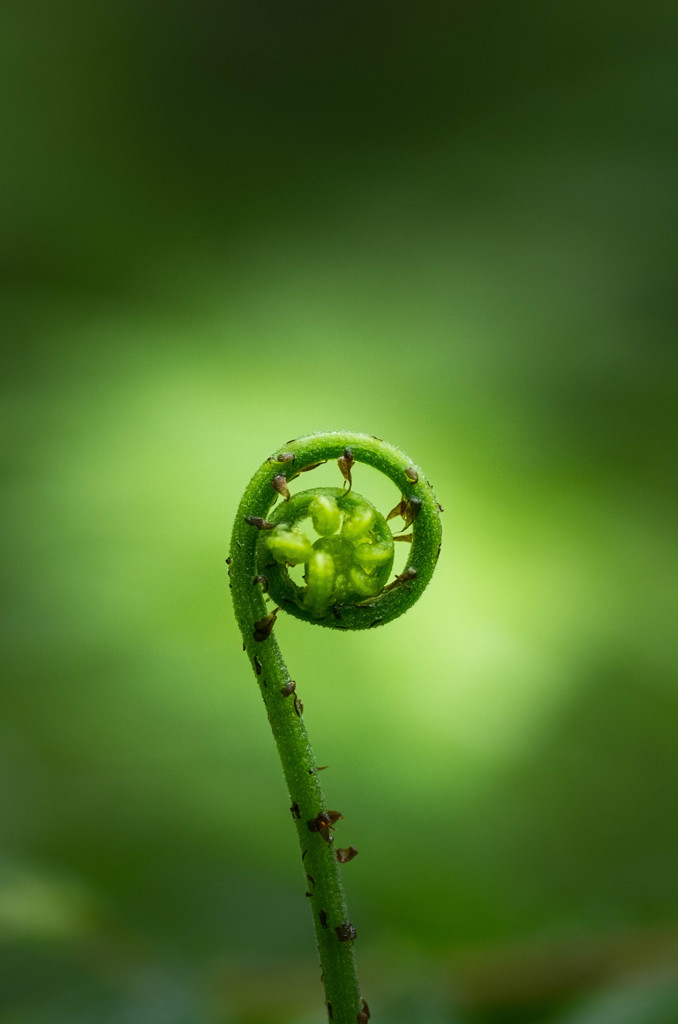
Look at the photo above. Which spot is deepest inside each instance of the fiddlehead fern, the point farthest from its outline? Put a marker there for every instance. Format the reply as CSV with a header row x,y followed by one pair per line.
x,y
345,586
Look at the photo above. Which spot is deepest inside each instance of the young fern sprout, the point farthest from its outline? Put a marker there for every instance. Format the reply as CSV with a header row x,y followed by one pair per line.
x,y
346,585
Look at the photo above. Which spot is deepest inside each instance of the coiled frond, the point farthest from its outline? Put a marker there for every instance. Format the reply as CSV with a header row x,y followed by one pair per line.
x,y
325,555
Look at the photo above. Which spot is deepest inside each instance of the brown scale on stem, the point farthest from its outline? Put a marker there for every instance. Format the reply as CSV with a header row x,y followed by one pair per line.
x,y
408,508
263,627
345,855
261,524
279,484
307,469
364,1014
346,932
413,510
345,463
404,577
324,823
398,509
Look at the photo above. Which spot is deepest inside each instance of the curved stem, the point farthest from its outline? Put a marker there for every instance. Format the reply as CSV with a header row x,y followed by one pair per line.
x,y
313,820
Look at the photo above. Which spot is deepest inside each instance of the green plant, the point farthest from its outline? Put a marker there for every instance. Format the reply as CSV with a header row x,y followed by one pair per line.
x,y
345,586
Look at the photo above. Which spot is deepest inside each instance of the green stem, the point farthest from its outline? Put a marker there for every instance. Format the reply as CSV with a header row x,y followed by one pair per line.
x,y
334,930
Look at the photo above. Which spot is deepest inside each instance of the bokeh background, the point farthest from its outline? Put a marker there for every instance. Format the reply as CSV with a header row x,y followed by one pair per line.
x,y
226,225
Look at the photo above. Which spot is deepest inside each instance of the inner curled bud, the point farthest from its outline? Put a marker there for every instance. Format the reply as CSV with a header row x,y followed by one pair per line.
x,y
325,515
350,560
289,546
320,582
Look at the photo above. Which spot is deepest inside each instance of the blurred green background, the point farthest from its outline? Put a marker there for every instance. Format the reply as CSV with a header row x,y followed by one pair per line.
x,y
454,227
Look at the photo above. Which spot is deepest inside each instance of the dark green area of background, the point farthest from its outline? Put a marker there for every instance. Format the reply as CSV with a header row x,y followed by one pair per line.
x,y
454,227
